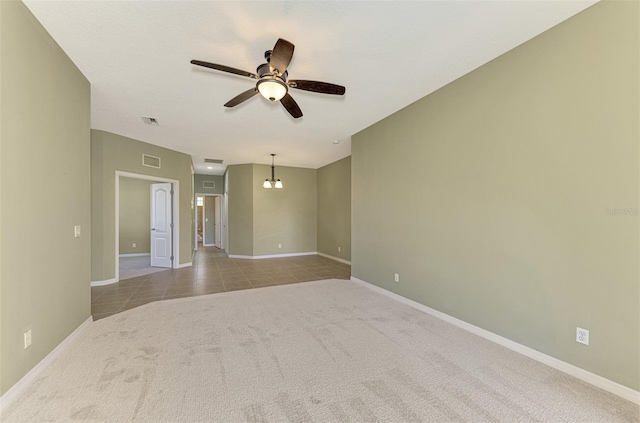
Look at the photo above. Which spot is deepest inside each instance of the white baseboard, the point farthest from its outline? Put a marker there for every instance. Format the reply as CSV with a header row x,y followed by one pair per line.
x,y
584,375
273,255
180,266
105,282
33,374
135,255
209,245
335,258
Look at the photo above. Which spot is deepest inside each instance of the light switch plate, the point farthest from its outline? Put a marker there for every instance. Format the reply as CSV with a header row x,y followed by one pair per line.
x,y
27,339
76,231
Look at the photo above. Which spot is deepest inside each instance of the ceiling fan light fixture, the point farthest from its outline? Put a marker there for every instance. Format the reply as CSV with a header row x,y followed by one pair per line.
x,y
272,89
272,79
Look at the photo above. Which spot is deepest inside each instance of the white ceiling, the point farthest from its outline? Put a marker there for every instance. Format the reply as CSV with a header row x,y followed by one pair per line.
x,y
387,54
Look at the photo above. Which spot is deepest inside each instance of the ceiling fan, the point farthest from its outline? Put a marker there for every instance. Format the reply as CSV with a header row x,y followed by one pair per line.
x,y
272,79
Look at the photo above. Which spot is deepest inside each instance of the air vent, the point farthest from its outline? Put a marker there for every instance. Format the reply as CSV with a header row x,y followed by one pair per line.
x,y
150,121
150,161
209,184
216,161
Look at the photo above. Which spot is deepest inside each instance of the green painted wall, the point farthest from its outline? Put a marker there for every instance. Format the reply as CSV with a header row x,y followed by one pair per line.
x,y
2,390
239,181
45,141
334,209
285,216
224,235
259,219
135,215
209,220
489,197
200,189
110,153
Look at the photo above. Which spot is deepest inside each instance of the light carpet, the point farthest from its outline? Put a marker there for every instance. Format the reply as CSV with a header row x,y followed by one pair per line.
x,y
317,351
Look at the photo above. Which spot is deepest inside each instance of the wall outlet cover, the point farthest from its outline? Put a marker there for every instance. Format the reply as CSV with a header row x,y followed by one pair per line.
x,y
582,336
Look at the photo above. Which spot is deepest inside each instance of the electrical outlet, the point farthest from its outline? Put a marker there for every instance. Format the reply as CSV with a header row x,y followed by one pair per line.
x,y
133,245
279,245
27,339
582,336
396,277
339,249
76,231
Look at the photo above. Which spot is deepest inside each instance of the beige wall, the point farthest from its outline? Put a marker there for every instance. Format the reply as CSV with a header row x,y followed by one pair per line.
x,y
110,153
45,114
135,215
239,181
334,209
489,197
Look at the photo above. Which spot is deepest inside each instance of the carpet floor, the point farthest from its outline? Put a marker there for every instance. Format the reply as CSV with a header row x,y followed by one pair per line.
x,y
311,352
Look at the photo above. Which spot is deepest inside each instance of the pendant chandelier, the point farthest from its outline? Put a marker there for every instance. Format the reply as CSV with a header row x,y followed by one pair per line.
x,y
273,182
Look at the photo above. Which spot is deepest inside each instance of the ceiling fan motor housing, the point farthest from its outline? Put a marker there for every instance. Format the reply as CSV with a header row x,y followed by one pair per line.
x,y
265,70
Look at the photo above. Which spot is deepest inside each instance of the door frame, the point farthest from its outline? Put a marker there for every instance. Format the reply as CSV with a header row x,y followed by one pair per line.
x,y
219,218
175,235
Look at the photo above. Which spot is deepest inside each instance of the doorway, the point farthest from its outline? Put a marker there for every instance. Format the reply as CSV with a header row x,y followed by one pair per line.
x,y
209,221
146,229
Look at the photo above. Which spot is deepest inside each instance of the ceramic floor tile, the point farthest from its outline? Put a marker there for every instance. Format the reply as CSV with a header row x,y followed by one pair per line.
x,y
212,273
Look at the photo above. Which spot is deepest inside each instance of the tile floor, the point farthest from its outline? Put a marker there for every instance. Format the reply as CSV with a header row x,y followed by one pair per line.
x,y
211,274
130,267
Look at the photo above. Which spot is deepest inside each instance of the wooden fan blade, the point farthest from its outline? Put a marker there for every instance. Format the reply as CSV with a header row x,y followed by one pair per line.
x,y
281,56
317,87
241,97
224,69
292,107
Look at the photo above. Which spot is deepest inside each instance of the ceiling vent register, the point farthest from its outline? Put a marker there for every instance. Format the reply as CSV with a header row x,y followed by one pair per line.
x,y
216,161
150,161
150,121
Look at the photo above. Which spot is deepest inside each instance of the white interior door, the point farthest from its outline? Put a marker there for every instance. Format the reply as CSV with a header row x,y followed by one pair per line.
x,y
161,222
